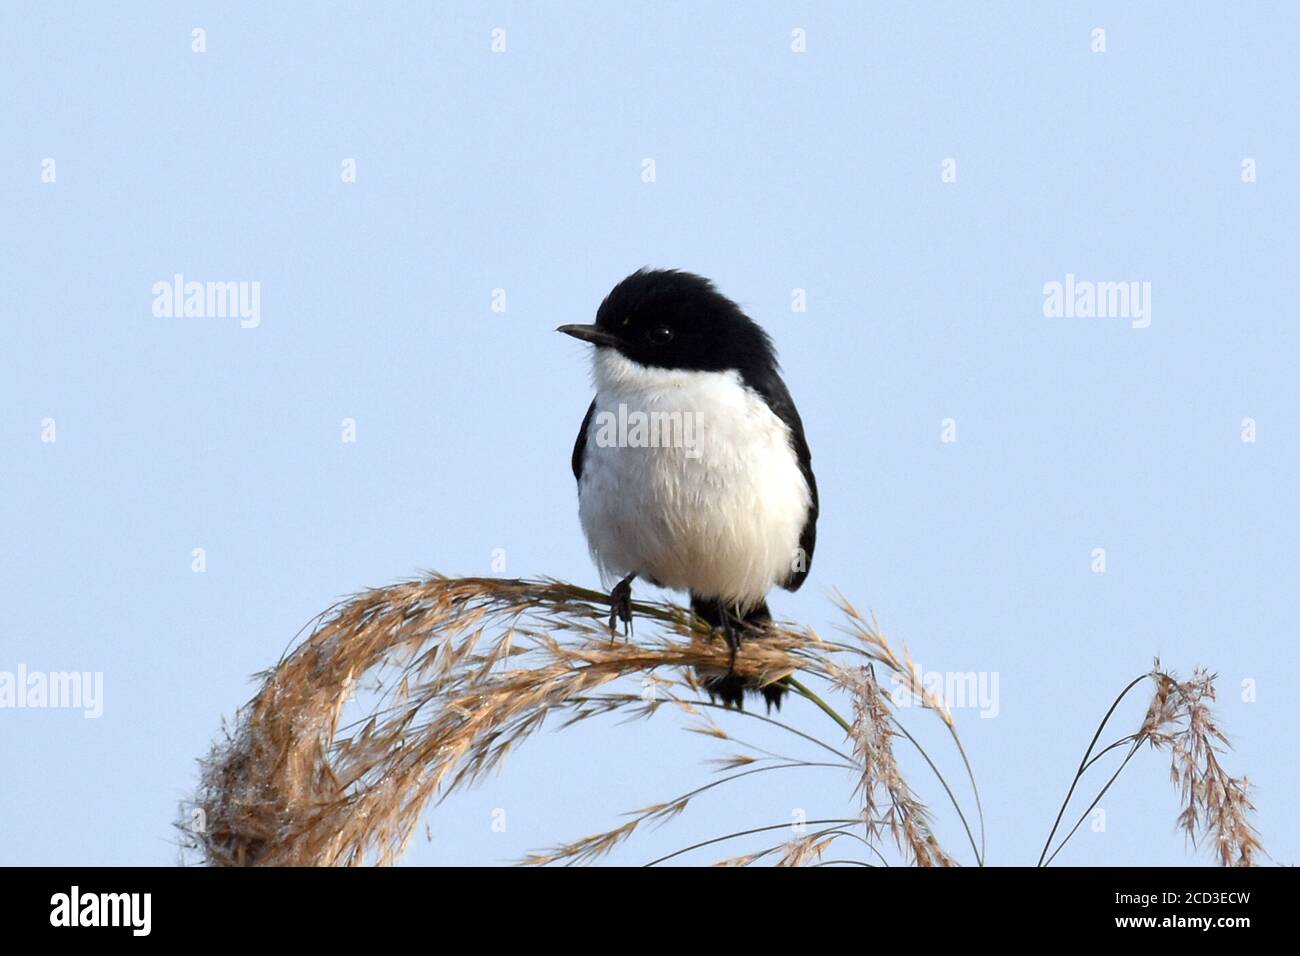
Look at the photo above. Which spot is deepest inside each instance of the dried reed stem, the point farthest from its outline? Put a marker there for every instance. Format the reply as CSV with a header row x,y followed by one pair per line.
x,y
450,675
459,671
1180,720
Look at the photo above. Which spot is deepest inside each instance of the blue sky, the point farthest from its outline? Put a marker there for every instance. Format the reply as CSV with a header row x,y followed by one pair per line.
x,y
522,171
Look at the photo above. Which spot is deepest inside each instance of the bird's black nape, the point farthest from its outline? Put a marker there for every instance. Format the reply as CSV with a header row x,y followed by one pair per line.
x,y
730,688
666,318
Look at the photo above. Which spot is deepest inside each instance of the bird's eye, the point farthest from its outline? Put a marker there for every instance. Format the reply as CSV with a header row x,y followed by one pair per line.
x,y
660,335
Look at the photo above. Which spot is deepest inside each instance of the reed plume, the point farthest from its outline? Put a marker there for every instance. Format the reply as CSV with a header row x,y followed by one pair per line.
x,y
450,675
1179,720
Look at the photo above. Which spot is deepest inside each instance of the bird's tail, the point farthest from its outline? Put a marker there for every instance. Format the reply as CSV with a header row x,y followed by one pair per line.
x,y
724,685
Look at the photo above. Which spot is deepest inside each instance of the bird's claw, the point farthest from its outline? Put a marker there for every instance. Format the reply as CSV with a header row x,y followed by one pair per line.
x,y
620,607
732,637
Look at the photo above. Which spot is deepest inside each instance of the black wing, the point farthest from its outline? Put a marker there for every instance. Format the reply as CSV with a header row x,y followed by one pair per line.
x,y
777,396
580,446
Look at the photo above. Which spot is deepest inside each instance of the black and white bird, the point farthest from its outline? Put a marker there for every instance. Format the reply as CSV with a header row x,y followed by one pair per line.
x,y
719,500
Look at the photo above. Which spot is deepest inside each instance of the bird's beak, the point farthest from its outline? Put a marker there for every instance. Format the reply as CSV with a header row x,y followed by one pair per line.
x,y
589,333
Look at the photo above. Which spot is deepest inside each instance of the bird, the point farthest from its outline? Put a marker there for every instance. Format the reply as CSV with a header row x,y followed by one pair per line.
x,y
692,466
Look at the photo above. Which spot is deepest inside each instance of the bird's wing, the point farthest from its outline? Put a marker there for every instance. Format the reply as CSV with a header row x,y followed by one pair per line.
x,y
580,446
777,396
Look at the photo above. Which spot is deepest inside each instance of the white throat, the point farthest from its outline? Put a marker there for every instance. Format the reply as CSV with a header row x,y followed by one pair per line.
x,y
615,373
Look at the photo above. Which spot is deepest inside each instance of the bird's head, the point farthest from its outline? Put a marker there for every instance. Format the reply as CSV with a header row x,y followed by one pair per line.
x,y
668,319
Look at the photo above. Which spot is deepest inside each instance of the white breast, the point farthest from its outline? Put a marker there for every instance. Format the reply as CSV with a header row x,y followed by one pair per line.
x,y
706,497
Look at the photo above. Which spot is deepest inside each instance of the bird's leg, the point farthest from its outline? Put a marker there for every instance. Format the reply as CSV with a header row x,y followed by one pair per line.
x,y
620,606
729,632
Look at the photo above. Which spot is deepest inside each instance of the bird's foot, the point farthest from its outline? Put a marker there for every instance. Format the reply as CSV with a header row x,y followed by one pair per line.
x,y
731,634
620,607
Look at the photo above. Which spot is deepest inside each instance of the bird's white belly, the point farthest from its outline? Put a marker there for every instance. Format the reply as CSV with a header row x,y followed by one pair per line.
x,y
714,503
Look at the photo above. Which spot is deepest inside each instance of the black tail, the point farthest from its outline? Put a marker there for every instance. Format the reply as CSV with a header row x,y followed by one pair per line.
x,y
729,687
